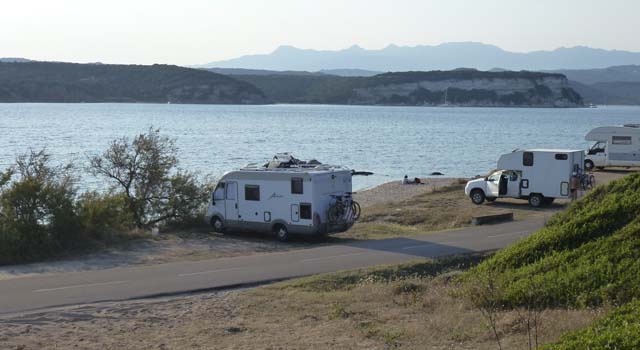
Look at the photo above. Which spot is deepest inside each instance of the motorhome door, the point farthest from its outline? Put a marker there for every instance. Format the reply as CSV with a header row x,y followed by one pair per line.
x,y
231,203
295,213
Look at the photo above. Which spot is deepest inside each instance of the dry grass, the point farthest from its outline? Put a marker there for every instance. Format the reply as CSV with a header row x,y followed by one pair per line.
x,y
440,209
407,311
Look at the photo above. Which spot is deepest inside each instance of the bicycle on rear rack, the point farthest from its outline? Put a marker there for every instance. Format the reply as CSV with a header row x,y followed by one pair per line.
x,y
343,209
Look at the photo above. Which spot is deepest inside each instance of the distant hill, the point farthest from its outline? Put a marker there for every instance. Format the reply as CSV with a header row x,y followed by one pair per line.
x,y
243,71
629,73
350,72
71,82
612,85
425,57
338,72
462,87
14,59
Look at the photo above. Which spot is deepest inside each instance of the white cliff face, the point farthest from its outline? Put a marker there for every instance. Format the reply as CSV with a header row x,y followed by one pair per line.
x,y
500,88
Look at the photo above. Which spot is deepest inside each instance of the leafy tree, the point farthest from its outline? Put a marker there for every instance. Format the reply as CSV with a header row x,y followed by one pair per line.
x,y
145,171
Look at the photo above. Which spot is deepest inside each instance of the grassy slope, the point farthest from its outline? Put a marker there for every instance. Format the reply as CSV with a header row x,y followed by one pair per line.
x,y
619,330
587,256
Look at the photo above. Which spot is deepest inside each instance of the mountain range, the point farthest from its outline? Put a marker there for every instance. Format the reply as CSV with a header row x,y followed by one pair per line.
x,y
445,56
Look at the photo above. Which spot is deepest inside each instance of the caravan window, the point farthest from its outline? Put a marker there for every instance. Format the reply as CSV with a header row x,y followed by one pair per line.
x,y
305,211
562,156
527,158
218,194
621,140
296,185
252,192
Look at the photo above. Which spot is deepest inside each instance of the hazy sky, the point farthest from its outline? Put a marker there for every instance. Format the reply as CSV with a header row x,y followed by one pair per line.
x,y
199,31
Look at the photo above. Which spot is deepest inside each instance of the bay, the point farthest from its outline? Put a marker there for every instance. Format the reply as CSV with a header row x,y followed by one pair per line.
x,y
388,141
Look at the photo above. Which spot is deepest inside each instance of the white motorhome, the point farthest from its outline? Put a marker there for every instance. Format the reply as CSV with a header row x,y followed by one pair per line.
x,y
614,146
285,196
538,175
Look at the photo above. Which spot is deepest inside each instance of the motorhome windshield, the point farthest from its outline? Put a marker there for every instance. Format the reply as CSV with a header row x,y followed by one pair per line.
x,y
598,147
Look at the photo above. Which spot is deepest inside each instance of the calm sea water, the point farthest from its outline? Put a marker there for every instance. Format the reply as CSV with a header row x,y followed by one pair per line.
x,y
389,141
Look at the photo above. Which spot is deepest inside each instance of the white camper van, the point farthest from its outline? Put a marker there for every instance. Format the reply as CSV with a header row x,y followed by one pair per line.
x,y
614,146
285,196
539,175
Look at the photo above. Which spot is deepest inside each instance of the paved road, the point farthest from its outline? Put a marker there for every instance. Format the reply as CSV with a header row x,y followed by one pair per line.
x,y
45,291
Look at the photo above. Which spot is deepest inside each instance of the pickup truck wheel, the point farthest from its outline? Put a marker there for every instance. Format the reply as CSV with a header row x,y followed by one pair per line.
x,y
588,165
477,196
282,234
217,224
536,200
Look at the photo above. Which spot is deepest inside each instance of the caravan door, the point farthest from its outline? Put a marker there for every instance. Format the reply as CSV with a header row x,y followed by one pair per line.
x,y
513,186
231,203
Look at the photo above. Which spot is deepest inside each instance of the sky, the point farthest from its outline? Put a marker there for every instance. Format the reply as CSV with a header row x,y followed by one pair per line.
x,y
189,32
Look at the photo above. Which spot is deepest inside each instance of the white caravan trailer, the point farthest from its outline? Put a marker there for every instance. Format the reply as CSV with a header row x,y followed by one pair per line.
x,y
538,175
284,197
614,146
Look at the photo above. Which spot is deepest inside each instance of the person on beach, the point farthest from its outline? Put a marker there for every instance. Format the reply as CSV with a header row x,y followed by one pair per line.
x,y
415,181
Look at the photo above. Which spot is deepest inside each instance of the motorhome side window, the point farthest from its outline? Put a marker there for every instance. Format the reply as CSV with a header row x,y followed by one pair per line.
x,y
305,211
252,192
562,156
218,194
527,158
296,185
621,140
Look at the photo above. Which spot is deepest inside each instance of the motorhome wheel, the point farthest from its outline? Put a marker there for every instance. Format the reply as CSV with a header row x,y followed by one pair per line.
x,y
282,234
477,196
548,200
536,200
217,224
588,164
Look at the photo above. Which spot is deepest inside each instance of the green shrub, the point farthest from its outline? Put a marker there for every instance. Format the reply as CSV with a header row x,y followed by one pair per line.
x,y
620,330
37,210
104,216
